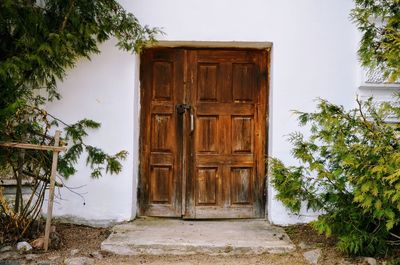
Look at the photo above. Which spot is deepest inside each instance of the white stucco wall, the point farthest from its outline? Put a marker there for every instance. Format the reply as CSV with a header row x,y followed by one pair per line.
x,y
313,55
105,90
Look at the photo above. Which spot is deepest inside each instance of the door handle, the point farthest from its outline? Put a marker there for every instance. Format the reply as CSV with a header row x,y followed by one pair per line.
x,y
182,108
191,122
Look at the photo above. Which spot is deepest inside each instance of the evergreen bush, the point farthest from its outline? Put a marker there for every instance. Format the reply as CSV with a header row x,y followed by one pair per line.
x,y
349,169
39,42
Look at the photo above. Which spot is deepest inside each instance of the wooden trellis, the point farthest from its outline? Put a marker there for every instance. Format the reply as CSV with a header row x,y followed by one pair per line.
x,y
56,149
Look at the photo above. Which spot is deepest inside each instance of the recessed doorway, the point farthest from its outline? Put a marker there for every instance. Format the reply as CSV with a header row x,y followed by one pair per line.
x,y
203,132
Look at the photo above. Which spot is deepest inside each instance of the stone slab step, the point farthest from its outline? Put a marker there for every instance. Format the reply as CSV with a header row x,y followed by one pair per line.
x,y
158,236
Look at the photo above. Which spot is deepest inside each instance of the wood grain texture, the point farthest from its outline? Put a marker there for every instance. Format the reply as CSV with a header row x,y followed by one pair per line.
x,y
160,192
229,133
213,168
34,146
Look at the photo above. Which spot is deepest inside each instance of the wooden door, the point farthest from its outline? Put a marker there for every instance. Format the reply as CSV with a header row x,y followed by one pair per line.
x,y
206,162
228,98
161,77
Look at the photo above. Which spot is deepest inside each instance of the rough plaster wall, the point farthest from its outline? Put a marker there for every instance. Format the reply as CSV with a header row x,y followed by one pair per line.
x,y
103,90
313,55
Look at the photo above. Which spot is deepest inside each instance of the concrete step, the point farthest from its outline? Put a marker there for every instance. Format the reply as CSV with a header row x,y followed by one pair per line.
x,y
158,236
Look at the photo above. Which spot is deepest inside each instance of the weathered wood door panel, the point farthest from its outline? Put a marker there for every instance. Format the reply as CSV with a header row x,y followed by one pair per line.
x,y
209,161
228,99
160,164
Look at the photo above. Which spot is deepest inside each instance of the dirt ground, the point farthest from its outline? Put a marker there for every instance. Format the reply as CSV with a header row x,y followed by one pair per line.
x,y
84,242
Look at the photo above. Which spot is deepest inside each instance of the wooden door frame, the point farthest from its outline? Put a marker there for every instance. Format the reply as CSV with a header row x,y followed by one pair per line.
x,y
261,183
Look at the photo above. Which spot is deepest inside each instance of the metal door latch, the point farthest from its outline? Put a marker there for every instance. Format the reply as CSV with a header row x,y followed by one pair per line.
x,y
191,122
182,108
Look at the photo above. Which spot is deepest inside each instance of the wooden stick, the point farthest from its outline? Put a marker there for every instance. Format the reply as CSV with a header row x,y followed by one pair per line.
x,y
34,146
51,191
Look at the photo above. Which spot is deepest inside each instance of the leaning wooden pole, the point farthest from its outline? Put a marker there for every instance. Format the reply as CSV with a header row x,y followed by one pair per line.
x,y
51,191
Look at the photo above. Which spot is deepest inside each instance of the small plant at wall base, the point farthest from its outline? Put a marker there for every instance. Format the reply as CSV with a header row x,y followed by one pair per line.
x,y
350,171
40,41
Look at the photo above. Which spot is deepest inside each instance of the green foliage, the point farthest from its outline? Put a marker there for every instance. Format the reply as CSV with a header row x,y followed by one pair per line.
x,y
40,42
350,165
96,157
395,261
349,169
379,23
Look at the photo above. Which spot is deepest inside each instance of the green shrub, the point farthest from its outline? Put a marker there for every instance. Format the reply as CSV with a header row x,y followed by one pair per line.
x,y
349,169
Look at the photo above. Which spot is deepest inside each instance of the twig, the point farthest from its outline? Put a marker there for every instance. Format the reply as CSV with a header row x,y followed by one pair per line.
x,y
71,5
30,198
57,119
30,174
394,235
72,189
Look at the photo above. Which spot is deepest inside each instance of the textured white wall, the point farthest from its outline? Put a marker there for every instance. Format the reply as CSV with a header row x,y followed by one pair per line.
x,y
313,55
105,90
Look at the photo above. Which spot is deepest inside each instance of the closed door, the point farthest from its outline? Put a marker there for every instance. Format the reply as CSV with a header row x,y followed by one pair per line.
x,y
203,131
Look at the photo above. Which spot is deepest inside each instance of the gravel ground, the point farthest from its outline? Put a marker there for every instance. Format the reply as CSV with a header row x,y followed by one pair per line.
x,y
81,245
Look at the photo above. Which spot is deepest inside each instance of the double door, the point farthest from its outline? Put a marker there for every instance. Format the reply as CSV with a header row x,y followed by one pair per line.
x,y
203,133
